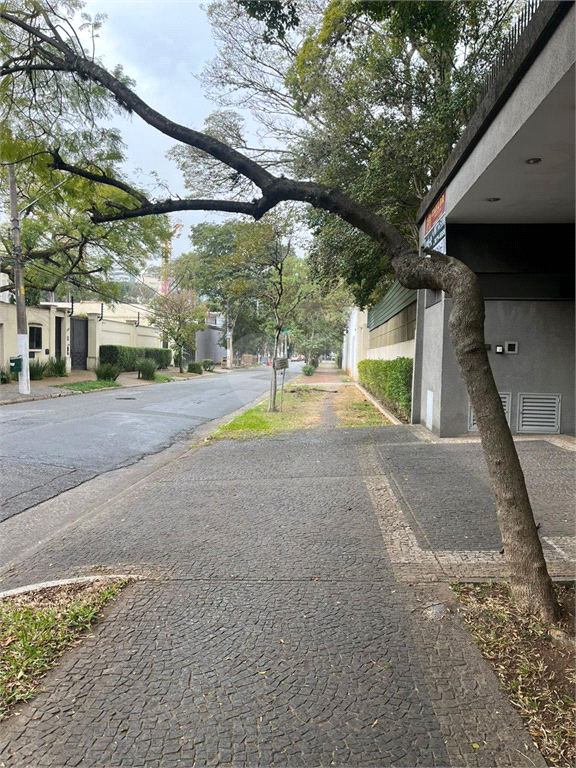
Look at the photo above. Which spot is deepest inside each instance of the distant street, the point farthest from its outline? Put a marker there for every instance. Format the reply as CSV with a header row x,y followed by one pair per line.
x,y
52,445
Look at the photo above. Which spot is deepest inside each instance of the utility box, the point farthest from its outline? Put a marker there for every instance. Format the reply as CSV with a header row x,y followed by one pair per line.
x,y
16,364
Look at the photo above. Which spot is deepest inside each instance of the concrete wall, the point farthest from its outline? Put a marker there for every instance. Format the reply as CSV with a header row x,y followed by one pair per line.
x,y
356,341
123,333
392,351
544,364
207,347
434,341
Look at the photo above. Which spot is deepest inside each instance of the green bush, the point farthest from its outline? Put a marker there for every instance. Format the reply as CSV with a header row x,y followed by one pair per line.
x,y
208,365
308,370
195,367
107,371
37,370
56,367
5,376
390,381
147,369
129,357
162,357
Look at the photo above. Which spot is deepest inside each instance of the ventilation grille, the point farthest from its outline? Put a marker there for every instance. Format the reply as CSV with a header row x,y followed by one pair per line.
x,y
506,398
539,413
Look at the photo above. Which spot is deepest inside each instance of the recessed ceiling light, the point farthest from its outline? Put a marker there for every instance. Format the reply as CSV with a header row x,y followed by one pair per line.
x,y
534,160
492,199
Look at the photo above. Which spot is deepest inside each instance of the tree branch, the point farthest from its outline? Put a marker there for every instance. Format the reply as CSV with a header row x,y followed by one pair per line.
x,y
102,178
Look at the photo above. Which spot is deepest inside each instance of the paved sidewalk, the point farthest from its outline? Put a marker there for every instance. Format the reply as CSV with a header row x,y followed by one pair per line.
x,y
291,608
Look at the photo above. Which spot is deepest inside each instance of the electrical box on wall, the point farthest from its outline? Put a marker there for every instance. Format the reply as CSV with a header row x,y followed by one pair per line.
x,y
511,347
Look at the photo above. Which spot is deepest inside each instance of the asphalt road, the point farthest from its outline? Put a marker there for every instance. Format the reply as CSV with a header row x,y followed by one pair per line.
x,y
52,445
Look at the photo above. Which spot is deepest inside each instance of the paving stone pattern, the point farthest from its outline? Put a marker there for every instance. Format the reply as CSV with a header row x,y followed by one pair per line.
x,y
273,625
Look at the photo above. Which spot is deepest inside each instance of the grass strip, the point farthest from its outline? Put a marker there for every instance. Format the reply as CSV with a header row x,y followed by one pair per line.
x,y
300,410
88,386
38,626
536,673
355,410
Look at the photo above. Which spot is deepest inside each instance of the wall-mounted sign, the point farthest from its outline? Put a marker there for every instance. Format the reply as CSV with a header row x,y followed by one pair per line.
x,y
437,210
435,226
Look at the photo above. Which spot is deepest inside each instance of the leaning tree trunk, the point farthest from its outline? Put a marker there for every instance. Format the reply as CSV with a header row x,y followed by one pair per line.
x,y
529,580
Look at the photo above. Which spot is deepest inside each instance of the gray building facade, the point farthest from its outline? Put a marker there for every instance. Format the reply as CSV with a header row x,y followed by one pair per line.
x,y
504,205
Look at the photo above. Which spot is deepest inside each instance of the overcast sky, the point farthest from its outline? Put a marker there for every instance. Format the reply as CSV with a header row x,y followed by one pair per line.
x,y
161,45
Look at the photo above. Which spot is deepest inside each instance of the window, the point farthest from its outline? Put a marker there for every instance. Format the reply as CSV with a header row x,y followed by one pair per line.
x,y
35,336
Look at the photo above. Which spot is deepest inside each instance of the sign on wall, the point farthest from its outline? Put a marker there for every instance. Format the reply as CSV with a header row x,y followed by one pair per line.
x,y
435,226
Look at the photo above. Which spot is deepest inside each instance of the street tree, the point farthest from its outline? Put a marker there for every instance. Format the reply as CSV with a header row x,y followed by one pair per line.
x,y
274,274
317,327
180,315
63,251
42,43
215,268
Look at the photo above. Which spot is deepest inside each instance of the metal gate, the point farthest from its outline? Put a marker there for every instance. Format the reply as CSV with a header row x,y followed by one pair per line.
x,y
79,342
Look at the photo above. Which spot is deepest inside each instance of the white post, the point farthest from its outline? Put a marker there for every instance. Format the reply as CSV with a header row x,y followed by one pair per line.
x,y
21,321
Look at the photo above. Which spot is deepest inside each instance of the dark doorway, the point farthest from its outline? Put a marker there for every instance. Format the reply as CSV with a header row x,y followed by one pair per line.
x,y
79,342
58,347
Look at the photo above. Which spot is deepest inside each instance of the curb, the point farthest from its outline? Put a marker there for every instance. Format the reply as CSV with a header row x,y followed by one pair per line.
x,y
64,583
32,398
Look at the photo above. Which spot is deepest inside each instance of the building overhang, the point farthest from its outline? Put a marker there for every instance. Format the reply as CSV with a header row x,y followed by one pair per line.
x,y
505,187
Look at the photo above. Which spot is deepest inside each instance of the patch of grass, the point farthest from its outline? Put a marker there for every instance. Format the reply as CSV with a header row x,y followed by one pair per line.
x,y
536,673
354,410
161,378
89,386
300,410
38,626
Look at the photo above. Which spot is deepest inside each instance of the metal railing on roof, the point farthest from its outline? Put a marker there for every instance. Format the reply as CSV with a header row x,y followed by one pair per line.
x,y
508,46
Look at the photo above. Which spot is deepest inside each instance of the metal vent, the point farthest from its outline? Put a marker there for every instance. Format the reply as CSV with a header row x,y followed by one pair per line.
x,y
506,398
539,413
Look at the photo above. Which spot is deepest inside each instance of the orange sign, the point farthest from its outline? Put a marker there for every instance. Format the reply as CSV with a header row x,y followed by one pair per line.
x,y
437,210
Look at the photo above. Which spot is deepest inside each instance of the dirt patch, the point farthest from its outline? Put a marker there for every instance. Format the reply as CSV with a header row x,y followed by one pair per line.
x,y
353,409
535,671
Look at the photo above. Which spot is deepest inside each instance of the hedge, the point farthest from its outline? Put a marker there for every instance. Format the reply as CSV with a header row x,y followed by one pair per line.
x,y
129,357
390,381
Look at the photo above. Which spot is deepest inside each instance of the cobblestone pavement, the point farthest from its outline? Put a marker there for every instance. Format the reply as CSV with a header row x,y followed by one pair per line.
x,y
290,611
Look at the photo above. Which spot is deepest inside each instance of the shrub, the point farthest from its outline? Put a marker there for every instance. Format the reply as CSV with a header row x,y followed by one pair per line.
x,y
37,370
390,381
147,368
208,365
314,362
308,370
162,357
129,357
5,376
56,367
107,371
195,367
